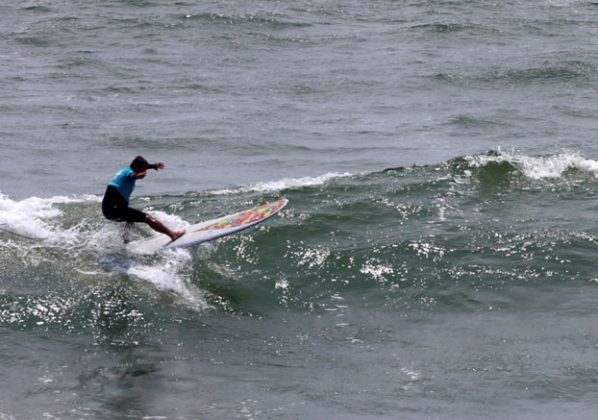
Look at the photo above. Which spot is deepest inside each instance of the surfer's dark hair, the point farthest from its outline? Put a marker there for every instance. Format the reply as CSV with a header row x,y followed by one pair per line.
x,y
139,163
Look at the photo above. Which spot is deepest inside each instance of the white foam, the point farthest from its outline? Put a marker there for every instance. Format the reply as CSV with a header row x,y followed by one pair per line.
x,y
412,374
286,183
168,274
39,219
173,221
540,167
30,217
377,270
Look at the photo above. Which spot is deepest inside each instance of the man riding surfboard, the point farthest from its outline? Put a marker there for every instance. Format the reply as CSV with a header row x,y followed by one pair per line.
x,y
115,205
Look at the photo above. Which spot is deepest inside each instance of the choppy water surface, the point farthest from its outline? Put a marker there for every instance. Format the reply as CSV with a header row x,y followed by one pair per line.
x,y
437,256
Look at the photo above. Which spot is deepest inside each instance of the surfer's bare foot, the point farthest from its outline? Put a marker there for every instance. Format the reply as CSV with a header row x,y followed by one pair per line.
x,y
177,235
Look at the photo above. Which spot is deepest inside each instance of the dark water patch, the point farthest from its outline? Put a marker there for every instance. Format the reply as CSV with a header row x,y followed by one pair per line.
x,y
549,73
124,90
198,87
576,112
450,28
468,121
34,41
249,19
138,3
38,9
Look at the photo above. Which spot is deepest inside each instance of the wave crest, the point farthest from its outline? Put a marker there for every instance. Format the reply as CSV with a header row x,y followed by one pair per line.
x,y
532,167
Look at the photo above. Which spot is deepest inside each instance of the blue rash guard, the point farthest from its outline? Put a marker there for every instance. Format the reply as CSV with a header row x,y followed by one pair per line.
x,y
124,182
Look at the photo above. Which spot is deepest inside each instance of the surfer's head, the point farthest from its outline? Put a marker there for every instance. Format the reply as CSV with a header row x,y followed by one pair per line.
x,y
139,165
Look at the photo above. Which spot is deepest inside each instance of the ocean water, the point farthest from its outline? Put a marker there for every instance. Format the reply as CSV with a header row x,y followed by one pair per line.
x,y
437,259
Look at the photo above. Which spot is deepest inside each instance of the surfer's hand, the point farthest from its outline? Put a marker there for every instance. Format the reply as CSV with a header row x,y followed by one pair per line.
x,y
158,165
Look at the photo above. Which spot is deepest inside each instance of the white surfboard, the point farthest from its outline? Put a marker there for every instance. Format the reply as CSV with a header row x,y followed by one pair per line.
x,y
210,229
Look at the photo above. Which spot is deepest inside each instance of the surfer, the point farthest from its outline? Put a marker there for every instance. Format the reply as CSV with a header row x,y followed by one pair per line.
x,y
115,205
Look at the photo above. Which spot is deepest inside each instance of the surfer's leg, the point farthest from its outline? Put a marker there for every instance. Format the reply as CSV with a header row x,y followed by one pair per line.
x,y
113,204
159,227
127,232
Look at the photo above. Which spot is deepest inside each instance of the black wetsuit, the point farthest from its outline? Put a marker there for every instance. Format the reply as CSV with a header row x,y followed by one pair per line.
x,y
115,207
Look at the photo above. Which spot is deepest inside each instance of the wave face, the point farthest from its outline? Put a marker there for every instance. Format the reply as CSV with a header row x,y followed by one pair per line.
x,y
496,245
479,217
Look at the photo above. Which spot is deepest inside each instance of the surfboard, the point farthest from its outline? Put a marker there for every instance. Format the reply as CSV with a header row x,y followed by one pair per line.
x,y
210,229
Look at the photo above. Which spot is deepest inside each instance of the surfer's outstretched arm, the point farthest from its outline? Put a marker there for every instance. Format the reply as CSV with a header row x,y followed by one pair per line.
x,y
156,166
159,227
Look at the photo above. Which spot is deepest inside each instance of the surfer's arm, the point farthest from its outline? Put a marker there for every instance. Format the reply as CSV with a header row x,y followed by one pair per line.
x,y
156,166
135,175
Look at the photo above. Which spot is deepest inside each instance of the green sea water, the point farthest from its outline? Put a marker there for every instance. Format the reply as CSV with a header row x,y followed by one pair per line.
x,y
405,292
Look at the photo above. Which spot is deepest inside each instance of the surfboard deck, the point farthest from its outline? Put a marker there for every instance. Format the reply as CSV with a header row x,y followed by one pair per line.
x,y
210,229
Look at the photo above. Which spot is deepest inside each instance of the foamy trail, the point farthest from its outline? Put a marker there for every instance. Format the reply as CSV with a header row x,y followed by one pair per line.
x,y
39,219
169,274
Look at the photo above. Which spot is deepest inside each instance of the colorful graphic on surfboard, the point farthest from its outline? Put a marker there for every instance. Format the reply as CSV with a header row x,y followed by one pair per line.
x,y
210,229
